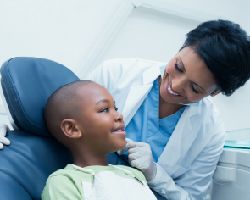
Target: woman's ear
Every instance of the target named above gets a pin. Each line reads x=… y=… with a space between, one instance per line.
x=70 y=128
x=214 y=93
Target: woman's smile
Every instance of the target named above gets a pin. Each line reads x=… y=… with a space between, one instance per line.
x=171 y=92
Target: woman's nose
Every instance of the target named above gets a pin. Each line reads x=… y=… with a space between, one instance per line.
x=178 y=84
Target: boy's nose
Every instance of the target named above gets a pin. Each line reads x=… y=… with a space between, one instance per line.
x=119 y=116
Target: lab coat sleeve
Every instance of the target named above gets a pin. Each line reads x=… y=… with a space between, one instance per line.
x=60 y=187
x=194 y=183
x=101 y=75
x=111 y=72
x=116 y=74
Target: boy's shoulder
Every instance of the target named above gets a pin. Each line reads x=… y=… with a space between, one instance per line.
x=76 y=173
x=70 y=179
x=135 y=173
x=67 y=181
x=71 y=172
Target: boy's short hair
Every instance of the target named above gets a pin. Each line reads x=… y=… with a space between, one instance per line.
x=61 y=105
x=225 y=49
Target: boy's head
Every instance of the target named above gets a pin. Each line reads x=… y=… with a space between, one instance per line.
x=83 y=114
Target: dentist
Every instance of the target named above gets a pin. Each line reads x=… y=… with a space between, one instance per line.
x=176 y=131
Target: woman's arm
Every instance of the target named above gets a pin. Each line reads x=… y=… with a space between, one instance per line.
x=194 y=183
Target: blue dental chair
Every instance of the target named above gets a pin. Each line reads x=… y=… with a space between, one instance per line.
x=33 y=153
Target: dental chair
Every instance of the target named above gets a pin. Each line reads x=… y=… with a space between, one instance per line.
x=33 y=154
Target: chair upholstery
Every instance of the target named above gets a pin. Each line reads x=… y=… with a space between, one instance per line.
x=33 y=153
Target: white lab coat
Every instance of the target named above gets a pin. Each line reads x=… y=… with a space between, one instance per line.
x=187 y=163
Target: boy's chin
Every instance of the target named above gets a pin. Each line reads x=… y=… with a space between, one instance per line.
x=120 y=146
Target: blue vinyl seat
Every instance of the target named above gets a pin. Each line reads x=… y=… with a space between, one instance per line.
x=33 y=153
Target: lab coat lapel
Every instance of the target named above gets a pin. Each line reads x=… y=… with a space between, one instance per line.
x=135 y=98
x=181 y=140
x=138 y=93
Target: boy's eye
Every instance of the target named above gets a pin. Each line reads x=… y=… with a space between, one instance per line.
x=105 y=110
x=116 y=108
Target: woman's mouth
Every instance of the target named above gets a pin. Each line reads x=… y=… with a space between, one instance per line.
x=169 y=89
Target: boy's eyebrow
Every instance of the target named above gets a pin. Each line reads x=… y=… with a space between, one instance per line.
x=102 y=101
x=191 y=81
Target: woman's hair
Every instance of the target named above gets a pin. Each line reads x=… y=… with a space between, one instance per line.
x=225 y=48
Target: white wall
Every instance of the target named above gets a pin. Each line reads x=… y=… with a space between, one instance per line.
x=73 y=32
x=150 y=35
x=81 y=33
x=62 y=30
x=237 y=11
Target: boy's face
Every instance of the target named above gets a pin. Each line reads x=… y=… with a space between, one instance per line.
x=102 y=126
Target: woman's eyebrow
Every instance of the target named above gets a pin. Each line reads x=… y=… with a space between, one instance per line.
x=181 y=63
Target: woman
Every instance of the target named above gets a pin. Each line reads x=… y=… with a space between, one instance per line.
x=176 y=131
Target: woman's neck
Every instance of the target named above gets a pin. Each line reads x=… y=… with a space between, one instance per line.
x=166 y=109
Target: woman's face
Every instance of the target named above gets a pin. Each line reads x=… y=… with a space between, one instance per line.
x=187 y=79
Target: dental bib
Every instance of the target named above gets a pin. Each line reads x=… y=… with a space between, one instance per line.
x=107 y=185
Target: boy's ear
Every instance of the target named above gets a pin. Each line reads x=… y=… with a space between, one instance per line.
x=214 y=93
x=70 y=128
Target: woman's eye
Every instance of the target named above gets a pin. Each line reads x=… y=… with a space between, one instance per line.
x=177 y=67
x=194 y=90
x=115 y=108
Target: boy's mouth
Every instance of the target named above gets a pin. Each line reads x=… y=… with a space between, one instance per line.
x=119 y=130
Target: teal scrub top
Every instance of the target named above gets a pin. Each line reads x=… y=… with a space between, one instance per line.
x=146 y=126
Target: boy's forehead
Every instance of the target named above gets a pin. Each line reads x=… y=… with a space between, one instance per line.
x=92 y=87
x=92 y=90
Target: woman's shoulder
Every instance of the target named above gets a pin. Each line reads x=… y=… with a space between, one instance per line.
x=210 y=108
x=207 y=114
x=125 y=71
x=204 y=107
x=129 y=63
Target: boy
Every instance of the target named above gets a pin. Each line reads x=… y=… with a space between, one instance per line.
x=83 y=117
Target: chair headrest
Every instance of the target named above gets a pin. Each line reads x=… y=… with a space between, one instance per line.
x=27 y=83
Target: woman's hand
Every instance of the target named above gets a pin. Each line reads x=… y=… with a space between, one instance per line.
x=3 y=140
x=140 y=156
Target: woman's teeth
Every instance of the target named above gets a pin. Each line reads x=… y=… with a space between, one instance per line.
x=172 y=92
